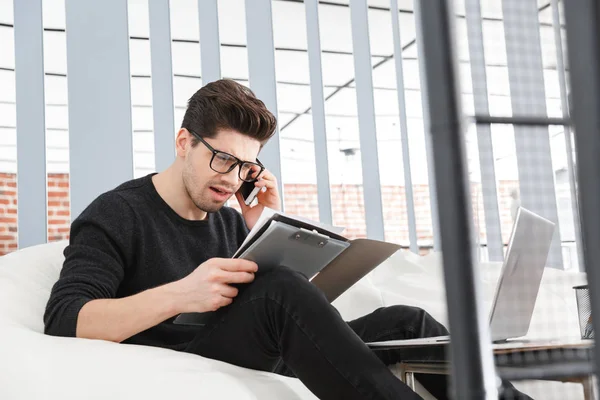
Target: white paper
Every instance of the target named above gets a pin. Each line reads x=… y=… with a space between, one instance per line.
x=269 y=212
x=264 y=217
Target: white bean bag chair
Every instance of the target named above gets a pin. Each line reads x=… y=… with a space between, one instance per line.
x=36 y=366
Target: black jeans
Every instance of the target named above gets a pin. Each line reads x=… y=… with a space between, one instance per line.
x=282 y=323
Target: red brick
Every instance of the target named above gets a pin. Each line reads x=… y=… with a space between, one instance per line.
x=9 y=193
x=54 y=203
x=55 y=194
x=63 y=184
x=57 y=222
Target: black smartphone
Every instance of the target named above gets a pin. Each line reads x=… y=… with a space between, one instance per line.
x=249 y=192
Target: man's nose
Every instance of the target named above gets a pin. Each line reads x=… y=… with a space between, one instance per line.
x=232 y=178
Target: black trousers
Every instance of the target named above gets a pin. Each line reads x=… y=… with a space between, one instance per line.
x=282 y=323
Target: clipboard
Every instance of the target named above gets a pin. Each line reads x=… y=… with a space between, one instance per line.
x=330 y=261
x=303 y=250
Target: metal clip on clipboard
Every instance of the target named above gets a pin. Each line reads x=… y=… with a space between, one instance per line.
x=310 y=238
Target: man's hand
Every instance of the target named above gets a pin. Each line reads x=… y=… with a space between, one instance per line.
x=267 y=197
x=207 y=287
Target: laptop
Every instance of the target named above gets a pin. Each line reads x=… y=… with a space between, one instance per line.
x=518 y=285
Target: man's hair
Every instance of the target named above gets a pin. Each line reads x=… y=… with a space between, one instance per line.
x=226 y=104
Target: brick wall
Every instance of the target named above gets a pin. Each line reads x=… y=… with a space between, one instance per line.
x=59 y=207
x=8 y=213
x=58 y=210
x=300 y=199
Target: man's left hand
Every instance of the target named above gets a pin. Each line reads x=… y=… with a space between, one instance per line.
x=267 y=197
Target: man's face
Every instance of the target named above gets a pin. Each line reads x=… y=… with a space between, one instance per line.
x=209 y=190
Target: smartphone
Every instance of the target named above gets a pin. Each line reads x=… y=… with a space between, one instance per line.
x=249 y=192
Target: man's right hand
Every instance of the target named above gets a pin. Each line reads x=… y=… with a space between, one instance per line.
x=208 y=287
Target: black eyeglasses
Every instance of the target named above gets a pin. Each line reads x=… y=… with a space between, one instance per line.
x=224 y=163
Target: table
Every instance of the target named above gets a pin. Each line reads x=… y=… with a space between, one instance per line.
x=565 y=360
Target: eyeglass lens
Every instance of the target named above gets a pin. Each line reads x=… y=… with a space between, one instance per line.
x=224 y=163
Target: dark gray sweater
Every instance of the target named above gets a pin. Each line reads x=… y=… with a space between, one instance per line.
x=129 y=240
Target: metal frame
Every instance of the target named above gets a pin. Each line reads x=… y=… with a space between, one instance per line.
x=163 y=107
x=31 y=123
x=409 y=369
x=470 y=347
x=583 y=26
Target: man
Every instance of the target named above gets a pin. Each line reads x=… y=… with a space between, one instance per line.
x=161 y=245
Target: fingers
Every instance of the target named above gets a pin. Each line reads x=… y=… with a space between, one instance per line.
x=266 y=184
x=219 y=302
x=235 y=277
x=228 y=291
x=236 y=265
x=268 y=180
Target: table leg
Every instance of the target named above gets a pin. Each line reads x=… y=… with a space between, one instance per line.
x=410 y=380
x=588 y=388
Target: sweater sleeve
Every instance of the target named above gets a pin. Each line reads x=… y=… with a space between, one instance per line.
x=100 y=247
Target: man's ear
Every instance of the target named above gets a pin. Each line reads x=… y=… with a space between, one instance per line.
x=182 y=141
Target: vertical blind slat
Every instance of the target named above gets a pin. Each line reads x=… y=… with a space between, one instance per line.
x=528 y=97
x=366 y=119
x=408 y=188
x=210 y=44
x=162 y=84
x=31 y=124
x=318 y=110
x=484 y=132
x=261 y=70
x=100 y=130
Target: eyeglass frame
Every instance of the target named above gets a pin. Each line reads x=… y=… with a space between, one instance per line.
x=238 y=162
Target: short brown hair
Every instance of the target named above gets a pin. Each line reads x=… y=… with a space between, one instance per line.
x=226 y=104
